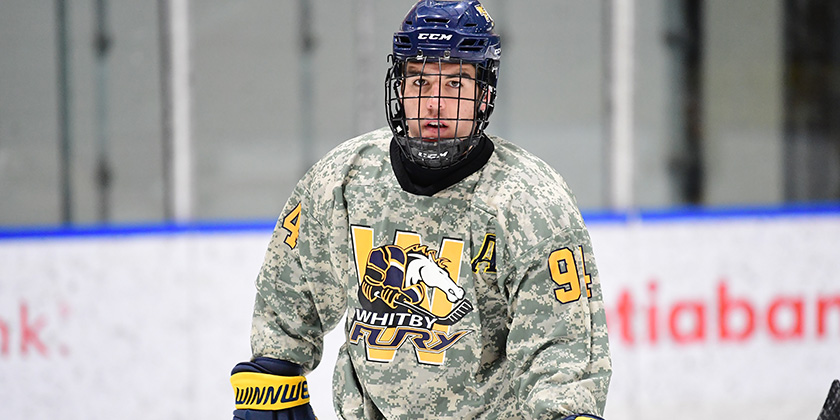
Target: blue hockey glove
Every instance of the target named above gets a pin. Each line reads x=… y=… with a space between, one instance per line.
x=270 y=389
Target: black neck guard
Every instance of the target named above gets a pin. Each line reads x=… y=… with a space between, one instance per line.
x=424 y=181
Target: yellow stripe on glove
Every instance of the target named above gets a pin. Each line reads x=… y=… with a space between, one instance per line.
x=261 y=391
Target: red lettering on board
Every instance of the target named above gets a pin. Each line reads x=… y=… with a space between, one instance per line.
x=727 y=307
x=28 y=331
x=733 y=318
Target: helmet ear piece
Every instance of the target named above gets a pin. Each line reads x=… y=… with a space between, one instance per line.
x=487 y=75
x=393 y=98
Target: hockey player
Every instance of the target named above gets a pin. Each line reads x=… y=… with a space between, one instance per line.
x=461 y=261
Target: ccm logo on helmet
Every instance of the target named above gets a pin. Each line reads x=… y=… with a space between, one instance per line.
x=433 y=37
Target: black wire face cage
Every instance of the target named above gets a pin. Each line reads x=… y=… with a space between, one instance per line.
x=436 y=109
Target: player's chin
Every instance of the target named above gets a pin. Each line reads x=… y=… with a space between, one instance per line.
x=435 y=134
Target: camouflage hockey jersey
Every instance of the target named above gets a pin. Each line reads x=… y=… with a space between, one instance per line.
x=481 y=301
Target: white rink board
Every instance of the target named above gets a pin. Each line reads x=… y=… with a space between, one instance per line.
x=679 y=296
x=149 y=326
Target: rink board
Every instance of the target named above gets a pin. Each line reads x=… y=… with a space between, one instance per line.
x=711 y=314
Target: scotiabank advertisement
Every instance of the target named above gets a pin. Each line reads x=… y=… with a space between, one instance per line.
x=710 y=315
x=722 y=317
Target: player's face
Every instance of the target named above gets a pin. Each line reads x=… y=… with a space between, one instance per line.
x=439 y=100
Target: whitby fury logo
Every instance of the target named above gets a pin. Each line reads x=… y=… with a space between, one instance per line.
x=408 y=294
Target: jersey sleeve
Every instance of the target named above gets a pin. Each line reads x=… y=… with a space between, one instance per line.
x=558 y=343
x=298 y=297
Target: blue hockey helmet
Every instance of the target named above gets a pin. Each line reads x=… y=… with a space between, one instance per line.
x=433 y=33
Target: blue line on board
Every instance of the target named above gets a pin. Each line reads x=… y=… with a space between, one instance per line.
x=265 y=226
x=150 y=229
x=678 y=214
